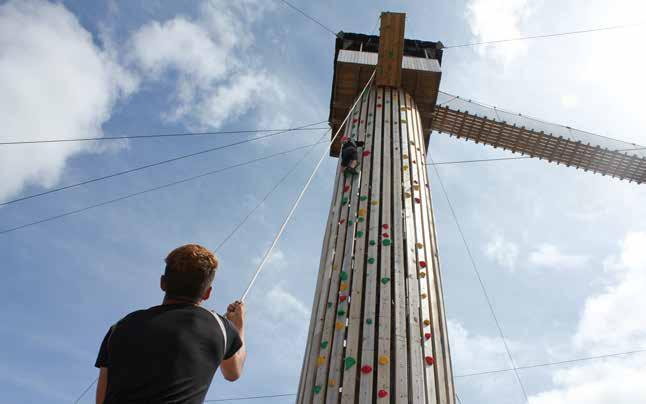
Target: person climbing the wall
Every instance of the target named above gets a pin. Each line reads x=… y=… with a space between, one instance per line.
x=350 y=156
x=169 y=353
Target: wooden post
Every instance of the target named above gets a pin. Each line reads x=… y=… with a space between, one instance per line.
x=378 y=331
x=391 y=49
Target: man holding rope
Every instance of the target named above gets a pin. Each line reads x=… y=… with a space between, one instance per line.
x=169 y=353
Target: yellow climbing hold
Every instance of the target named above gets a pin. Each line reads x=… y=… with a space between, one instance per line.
x=405 y=167
x=422 y=274
x=407 y=194
x=423 y=295
x=419 y=245
x=427 y=322
x=320 y=360
x=383 y=360
x=362 y=212
x=405 y=156
x=375 y=202
x=339 y=325
x=416 y=187
x=343 y=286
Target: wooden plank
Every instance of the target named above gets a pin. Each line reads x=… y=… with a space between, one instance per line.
x=323 y=274
x=419 y=254
x=372 y=273
x=329 y=330
x=416 y=370
x=400 y=359
x=352 y=238
x=391 y=49
x=433 y=322
x=385 y=295
x=356 y=296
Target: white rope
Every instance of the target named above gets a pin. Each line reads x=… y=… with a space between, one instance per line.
x=300 y=196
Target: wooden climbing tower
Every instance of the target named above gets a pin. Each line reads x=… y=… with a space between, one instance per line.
x=378 y=330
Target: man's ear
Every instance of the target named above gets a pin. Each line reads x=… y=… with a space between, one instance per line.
x=207 y=293
x=162 y=283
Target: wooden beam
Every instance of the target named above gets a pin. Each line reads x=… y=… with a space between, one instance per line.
x=391 y=49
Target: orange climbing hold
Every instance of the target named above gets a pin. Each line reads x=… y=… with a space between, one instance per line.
x=361 y=212
x=419 y=245
x=320 y=360
x=383 y=360
x=343 y=286
x=339 y=325
x=427 y=322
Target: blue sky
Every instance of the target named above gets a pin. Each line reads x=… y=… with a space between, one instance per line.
x=561 y=251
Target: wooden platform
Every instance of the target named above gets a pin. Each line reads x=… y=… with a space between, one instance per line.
x=542 y=145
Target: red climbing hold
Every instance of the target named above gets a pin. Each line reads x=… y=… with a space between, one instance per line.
x=366 y=369
x=382 y=393
x=429 y=360
x=346 y=188
x=418 y=200
x=341 y=221
x=355 y=120
x=378 y=105
x=385 y=226
x=427 y=335
x=422 y=264
x=342 y=298
x=386 y=235
x=366 y=153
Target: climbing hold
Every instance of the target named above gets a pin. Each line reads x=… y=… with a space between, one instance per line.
x=407 y=194
x=359 y=234
x=418 y=200
x=341 y=313
x=365 y=153
x=414 y=162
x=423 y=295
x=349 y=362
x=329 y=305
x=422 y=264
x=361 y=212
x=405 y=167
x=316 y=389
x=355 y=120
x=375 y=202
x=419 y=245
x=341 y=221
x=386 y=242
x=331 y=382
x=383 y=360
x=429 y=360
x=385 y=226
x=368 y=321
x=339 y=325
x=343 y=275
x=378 y=105
x=366 y=369
x=343 y=286
x=323 y=344
x=405 y=156
x=416 y=187
x=343 y=298
x=385 y=235
x=427 y=336
x=422 y=274
x=382 y=393
x=427 y=322
x=363 y=198
x=350 y=222
x=360 y=219
x=344 y=200
x=320 y=360
x=372 y=242
x=385 y=280
x=371 y=260
x=346 y=188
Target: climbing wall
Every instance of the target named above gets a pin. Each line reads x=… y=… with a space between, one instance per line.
x=378 y=330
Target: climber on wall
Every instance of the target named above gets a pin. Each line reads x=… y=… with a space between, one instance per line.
x=350 y=156
x=169 y=353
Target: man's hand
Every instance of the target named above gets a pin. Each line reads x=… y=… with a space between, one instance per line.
x=235 y=314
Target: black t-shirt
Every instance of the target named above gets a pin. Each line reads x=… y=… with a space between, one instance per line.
x=166 y=354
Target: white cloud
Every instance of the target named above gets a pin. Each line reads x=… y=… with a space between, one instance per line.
x=612 y=321
x=492 y=20
x=549 y=256
x=283 y=305
x=503 y=252
x=216 y=82
x=54 y=83
x=569 y=101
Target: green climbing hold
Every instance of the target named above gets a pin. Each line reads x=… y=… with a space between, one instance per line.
x=363 y=198
x=349 y=362
x=386 y=242
x=372 y=242
x=316 y=389
x=341 y=312
x=350 y=222
x=359 y=234
x=371 y=260
x=323 y=344
x=368 y=321
x=329 y=305
x=360 y=219
x=343 y=275
x=385 y=280
x=344 y=200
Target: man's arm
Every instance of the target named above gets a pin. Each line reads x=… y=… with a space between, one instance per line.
x=101 y=385
x=232 y=367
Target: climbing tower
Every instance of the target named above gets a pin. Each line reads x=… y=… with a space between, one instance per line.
x=378 y=330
